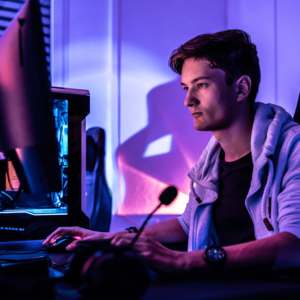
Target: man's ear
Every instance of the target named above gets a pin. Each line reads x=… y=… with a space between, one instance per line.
x=243 y=87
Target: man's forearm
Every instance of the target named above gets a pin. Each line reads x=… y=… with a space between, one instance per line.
x=169 y=231
x=279 y=251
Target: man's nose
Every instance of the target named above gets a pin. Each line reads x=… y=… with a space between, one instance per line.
x=190 y=100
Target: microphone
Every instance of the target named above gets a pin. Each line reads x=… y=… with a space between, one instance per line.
x=168 y=195
x=166 y=198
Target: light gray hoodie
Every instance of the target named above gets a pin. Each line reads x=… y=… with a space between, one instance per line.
x=273 y=200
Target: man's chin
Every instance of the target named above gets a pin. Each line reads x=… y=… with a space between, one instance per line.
x=201 y=127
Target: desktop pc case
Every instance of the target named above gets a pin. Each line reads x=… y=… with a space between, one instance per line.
x=64 y=208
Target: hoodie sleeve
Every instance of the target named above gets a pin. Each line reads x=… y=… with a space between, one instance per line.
x=185 y=218
x=289 y=198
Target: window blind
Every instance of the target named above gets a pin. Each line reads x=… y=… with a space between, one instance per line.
x=10 y=8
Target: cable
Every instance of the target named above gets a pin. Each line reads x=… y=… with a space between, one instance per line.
x=11 y=199
x=4 y=199
x=6 y=195
x=14 y=201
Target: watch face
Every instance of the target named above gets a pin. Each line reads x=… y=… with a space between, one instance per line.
x=215 y=254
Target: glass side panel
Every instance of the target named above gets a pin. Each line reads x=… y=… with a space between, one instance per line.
x=60 y=112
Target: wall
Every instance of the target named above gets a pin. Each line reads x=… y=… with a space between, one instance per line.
x=158 y=142
x=83 y=57
x=119 y=50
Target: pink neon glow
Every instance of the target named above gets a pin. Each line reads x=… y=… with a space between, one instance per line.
x=140 y=199
x=56 y=237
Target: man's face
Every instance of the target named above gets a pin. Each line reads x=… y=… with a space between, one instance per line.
x=211 y=102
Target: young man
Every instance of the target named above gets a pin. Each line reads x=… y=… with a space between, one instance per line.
x=243 y=210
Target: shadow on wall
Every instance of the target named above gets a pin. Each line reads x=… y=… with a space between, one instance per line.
x=161 y=154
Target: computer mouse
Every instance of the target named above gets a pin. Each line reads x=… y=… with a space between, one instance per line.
x=59 y=244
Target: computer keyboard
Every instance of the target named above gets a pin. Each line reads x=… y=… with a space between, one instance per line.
x=11 y=229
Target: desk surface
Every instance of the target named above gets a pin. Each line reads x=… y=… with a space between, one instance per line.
x=18 y=250
x=223 y=290
x=164 y=288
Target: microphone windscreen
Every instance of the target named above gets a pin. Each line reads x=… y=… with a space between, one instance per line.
x=168 y=195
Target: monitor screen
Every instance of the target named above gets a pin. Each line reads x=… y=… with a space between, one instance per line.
x=27 y=133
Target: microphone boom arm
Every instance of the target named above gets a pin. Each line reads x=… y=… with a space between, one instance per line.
x=144 y=224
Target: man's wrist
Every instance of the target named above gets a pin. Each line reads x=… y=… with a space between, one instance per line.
x=192 y=261
x=215 y=257
x=111 y=235
x=132 y=229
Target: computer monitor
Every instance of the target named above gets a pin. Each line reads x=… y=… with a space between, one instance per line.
x=27 y=133
x=41 y=133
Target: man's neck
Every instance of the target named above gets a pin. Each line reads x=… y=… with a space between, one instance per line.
x=235 y=140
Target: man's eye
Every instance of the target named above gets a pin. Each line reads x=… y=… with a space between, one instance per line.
x=202 y=85
x=185 y=89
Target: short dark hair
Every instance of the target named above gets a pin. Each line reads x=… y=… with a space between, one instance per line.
x=230 y=50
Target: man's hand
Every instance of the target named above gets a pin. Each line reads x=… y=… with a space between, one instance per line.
x=158 y=257
x=80 y=234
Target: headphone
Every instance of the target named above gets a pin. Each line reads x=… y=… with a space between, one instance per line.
x=108 y=272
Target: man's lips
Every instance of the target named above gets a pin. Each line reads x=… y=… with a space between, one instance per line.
x=197 y=114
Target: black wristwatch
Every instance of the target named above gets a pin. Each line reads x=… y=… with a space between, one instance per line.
x=215 y=257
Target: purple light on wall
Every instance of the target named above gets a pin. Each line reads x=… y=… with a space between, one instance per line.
x=149 y=103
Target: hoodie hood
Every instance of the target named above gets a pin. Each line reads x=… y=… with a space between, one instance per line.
x=269 y=122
